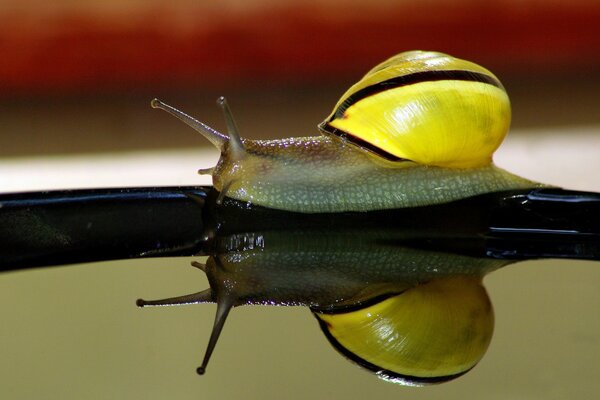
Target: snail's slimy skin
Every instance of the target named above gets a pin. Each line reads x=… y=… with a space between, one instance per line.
x=322 y=174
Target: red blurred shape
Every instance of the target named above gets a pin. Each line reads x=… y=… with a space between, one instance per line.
x=81 y=50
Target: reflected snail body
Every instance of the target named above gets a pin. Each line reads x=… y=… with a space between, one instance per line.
x=418 y=129
x=411 y=316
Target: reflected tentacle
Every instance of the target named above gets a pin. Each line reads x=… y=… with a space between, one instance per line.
x=204 y=296
x=224 y=305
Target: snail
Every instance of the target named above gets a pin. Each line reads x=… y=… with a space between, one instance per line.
x=418 y=129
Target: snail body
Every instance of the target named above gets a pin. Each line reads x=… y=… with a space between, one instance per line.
x=418 y=129
x=323 y=174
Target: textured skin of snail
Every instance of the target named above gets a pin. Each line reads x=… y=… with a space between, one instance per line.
x=418 y=129
x=322 y=174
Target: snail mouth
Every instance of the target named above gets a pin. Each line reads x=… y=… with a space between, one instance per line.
x=363 y=144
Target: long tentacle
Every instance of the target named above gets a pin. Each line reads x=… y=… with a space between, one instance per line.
x=236 y=147
x=215 y=137
x=224 y=305
x=205 y=296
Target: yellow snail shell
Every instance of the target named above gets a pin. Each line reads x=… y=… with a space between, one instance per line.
x=427 y=107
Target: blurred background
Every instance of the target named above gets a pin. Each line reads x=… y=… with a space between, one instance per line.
x=76 y=80
x=77 y=76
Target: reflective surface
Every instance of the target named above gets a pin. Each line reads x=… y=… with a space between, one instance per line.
x=77 y=332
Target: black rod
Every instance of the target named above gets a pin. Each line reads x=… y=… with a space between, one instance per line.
x=516 y=225
x=545 y=223
x=64 y=227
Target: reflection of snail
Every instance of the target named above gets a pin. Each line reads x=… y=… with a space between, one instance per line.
x=431 y=302
x=418 y=129
x=430 y=333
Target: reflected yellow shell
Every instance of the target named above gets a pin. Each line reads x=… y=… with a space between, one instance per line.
x=426 y=107
x=431 y=333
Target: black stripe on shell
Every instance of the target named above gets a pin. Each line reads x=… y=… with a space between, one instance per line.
x=411 y=79
x=337 y=309
x=345 y=136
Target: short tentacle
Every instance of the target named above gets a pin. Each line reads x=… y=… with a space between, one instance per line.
x=206 y=171
x=223 y=191
x=199 y=265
